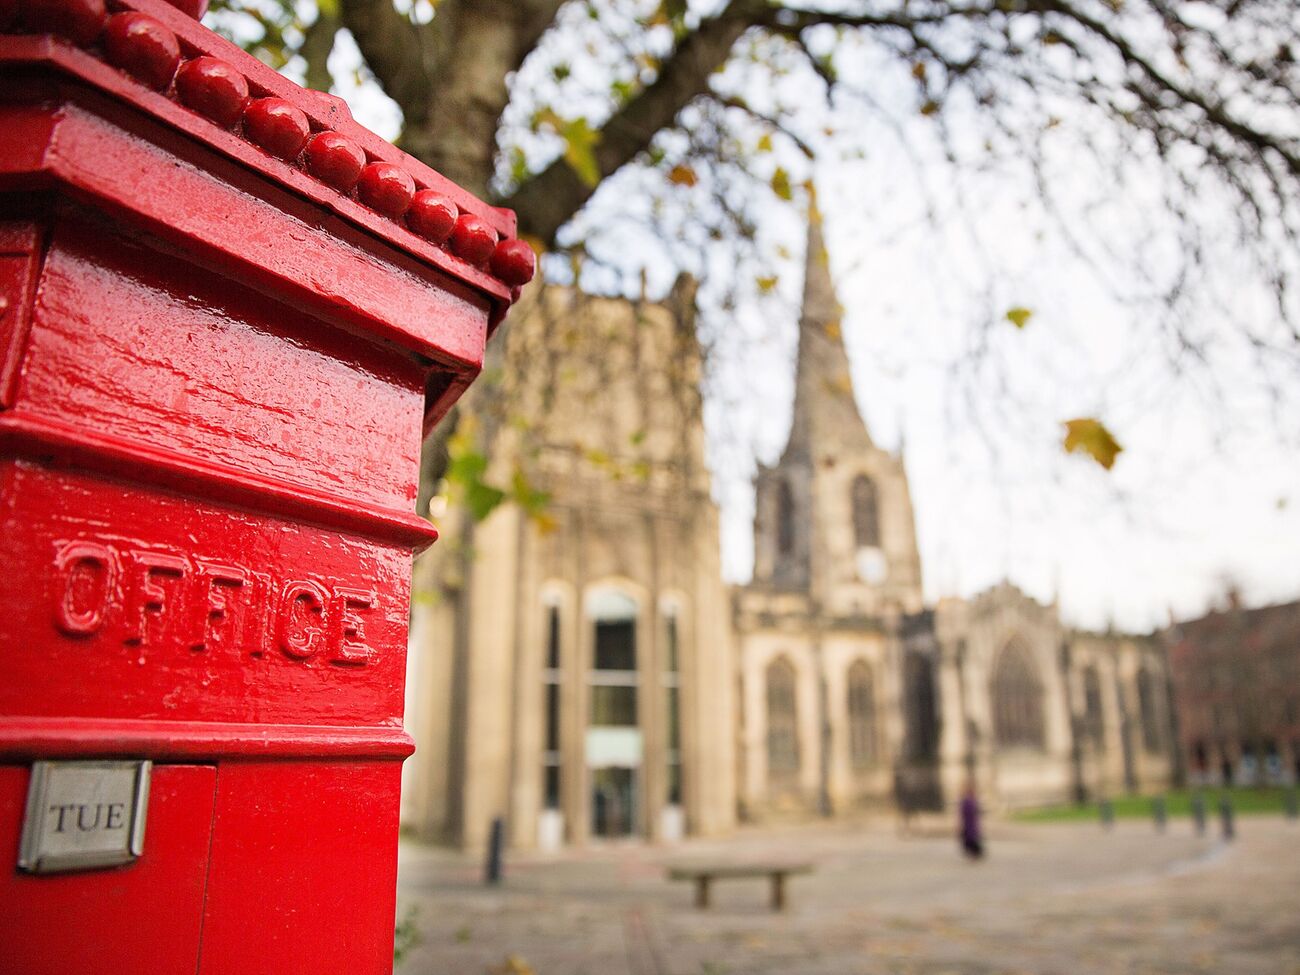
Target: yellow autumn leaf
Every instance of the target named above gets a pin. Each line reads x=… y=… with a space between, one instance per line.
x=764 y=143
x=580 y=142
x=781 y=184
x=1090 y=436
x=1018 y=316
x=682 y=175
x=765 y=284
x=832 y=330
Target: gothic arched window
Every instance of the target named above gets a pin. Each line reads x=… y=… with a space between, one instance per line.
x=1092 y=720
x=866 y=513
x=672 y=703
x=922 y=717
x=1147 y=712
x=782 y=720
x=614 y=675
x=1017 y=699
x=862 y=716
x=784 y=518
x=552 y=678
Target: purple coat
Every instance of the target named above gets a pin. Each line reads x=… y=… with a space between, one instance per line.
x=970 y=819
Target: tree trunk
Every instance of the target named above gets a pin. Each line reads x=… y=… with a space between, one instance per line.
x=457 y=135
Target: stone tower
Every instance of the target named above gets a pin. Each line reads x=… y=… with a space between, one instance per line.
x=834 y=516
x=835 y=567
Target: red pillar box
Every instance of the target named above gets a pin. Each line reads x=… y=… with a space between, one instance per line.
x=227 y=312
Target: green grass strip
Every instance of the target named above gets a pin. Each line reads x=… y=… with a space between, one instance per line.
x=1246 y=800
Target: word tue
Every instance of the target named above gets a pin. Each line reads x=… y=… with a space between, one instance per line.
x=113 y=815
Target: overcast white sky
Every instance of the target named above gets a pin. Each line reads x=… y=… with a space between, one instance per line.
x=1207 y=489
x=1204 y=492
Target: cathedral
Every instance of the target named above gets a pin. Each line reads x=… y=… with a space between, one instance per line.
x=580 y=671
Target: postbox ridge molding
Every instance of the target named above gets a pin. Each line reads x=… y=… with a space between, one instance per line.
x=146 y=41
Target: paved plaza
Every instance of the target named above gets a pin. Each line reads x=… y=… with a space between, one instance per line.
x=1049 y=900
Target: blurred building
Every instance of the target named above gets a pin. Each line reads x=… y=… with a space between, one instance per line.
x=1236 y=676
x=579 y=669
x=853 y=694
x=570 y=666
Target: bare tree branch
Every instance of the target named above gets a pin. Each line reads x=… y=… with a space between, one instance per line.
x=550 y=198
x=775 y=124
x=547 y=200
x=1215 y=112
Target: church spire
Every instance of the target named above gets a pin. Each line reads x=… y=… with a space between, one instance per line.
x=825 y=412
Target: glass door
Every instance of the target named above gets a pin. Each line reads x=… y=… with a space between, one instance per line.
x=613 y=801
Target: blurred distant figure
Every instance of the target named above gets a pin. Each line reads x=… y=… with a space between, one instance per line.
x=972 y=837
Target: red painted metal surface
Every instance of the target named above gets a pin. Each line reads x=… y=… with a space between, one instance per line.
x=146 y=917
x=334 y=873
x=227 y=313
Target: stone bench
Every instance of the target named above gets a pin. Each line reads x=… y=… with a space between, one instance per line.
x=703 y=876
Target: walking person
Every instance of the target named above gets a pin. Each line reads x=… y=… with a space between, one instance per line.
x=970 y=832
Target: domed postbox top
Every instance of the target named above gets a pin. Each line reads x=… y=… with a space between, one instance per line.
x=154 y=56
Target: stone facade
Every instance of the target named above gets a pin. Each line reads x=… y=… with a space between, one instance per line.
x=581 y=671
x=571 y=670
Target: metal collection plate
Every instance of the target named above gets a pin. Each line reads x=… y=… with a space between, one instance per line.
x=82 y=815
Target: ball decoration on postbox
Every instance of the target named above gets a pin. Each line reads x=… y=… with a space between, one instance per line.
x=228 y=313
x=143 y=48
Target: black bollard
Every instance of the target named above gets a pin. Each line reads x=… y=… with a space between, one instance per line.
x=1107 y=811
x=1225 y=816
x=492 y=874
x=1198 y=812
x=1158 y=813
x=1291 y=802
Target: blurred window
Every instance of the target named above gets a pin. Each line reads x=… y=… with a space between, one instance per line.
x=672 y=705
x=866 y=513
x=1148 y=712
x=862 y=716
x=613 y=676
x=1017 y=699
x=785 y=520
x=1092 y=719
x=782 y=720
x=922 y=716
x=551 y=681
x=613 y=706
